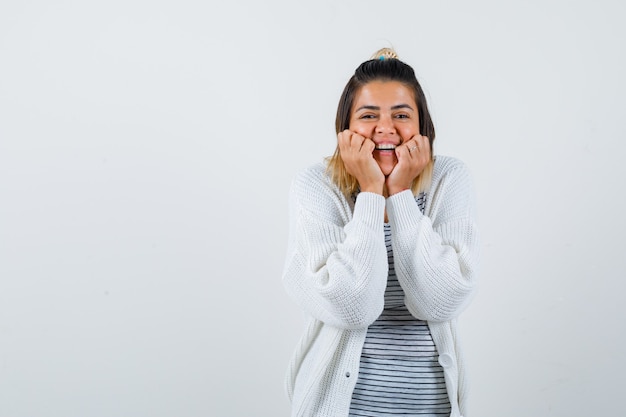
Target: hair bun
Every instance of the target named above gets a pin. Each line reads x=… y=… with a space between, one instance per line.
x=385 y=53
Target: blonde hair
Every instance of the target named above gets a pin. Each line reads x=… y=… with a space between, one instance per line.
x=385 y=53
x=383 y=65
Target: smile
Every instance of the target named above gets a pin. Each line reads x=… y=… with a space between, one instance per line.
x=386 y=147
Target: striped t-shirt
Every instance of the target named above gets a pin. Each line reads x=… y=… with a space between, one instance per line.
x=399 y=372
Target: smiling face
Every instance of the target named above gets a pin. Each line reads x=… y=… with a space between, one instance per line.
x=386 y=112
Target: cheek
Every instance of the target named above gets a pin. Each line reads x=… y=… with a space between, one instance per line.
x=407 y=132
x=361 y=129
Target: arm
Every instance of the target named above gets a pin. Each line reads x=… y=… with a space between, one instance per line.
x=436 y=258
x=336 y=266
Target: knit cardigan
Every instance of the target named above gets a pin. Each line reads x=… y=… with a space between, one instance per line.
x=336 y=271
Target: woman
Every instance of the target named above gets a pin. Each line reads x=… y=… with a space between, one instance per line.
x=382 y=257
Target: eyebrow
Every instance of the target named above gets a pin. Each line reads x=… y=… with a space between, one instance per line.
x=396 y=107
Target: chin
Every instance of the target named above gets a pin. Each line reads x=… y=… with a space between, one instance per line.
x=387 y=165
x=386 y=169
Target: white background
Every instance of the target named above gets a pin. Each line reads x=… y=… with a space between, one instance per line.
x=146 y=150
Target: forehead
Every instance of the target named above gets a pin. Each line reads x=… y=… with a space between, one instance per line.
x=384 y=94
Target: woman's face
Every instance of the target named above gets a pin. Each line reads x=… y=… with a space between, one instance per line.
x=386 y=113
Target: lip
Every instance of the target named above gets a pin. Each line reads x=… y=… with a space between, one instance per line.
x=386 y=146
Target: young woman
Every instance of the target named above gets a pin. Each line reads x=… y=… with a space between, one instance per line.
x=382 y=258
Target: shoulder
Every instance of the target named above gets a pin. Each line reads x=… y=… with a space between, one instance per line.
x=313 y=179
x=452 y=191
x=444 y=164
x=450 y=167
x=313 y=173
x=313 y=189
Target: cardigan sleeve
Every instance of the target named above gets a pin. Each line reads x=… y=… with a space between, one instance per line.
x=336 y=264
x=436 y=257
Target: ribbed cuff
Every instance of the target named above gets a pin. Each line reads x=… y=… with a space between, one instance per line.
x=370 y=209
x=403 y=210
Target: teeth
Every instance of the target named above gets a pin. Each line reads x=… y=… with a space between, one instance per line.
x=386 y=146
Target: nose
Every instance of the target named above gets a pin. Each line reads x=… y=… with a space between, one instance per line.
x=385 y=125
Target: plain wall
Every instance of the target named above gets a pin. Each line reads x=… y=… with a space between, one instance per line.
x=146 y=150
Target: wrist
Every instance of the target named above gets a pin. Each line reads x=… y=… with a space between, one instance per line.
x=396 y=190
x=372 y=188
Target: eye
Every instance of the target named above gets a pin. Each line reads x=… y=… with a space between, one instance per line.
x=367 y=116
x=402 y=116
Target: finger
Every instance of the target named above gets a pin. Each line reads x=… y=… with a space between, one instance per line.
x=425 y=145
x=422 y=143
x=404 y=151
x=344 y=140
x=356 y=141
x=412 y=145
x=368 y=145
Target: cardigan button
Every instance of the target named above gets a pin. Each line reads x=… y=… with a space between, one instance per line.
x=347 y=374
x=446 y=360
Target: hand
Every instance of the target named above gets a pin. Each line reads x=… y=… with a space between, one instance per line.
x=356 y=153
x=413 y=156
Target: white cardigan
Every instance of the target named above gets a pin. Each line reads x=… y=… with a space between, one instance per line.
x=336 y=270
